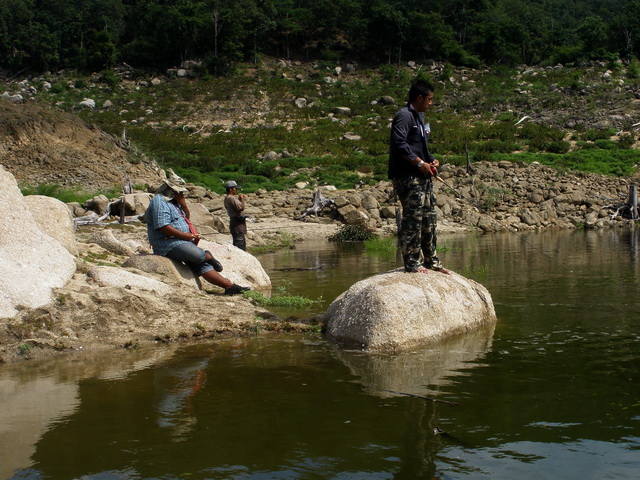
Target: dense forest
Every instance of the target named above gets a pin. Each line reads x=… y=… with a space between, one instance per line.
x=42 y=35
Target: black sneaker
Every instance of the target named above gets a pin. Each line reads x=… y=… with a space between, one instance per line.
x=217 y=266
x=235 y=289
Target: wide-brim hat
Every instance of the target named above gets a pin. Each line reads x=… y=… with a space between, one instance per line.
x=176 y=188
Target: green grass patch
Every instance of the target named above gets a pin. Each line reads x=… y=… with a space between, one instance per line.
x=281 y=299
x=618 y=162
x=283 y=241
x=67 y=195
x=386 y=245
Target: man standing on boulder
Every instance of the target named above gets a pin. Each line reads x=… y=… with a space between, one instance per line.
x=235 y=205
x=412 y=169
x=172 y=235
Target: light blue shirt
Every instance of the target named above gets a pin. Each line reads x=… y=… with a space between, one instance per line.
x=160 y=214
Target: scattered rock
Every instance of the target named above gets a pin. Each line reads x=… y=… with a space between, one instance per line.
x=346 y=111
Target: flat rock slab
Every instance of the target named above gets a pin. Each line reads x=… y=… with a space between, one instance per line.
x=118 y=277
x=397 y=311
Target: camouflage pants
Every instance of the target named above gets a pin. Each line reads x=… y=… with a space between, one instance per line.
x=417 y=233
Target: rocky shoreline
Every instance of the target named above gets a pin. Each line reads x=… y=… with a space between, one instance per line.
x=492 y=197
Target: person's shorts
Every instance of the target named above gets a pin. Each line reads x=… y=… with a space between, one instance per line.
x=192 y=255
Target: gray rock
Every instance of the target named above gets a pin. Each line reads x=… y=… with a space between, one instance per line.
x=387 y=100
x=536 y=197
x=118 y=277
x=107 y=240
x=33 y=263
x=351 y=136
x=88 y=103
x=54 y=219
x=341 y=201
x=355 y=199
x=270 y=156
x=352 y=216
x=174 y=272
x=239 y=266
x=201 y=218
x=197 y=192
x=136 y=203
x=98 y=204
x=369 y=201
x=529 y=218
x=397 y=311
x=591 y=219
x=346 y=111
x=388 y=212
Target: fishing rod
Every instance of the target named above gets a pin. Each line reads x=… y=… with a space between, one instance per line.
x=507 y=227
x=423 y=397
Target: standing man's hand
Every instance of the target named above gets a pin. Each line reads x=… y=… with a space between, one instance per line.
x=433 y=167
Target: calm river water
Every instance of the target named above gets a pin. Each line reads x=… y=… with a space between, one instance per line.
x=553 y=392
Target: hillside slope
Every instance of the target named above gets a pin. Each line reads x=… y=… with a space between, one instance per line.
x=42 y=145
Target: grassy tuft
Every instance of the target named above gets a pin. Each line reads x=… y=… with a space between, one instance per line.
x=381 y=245
x=280 y=299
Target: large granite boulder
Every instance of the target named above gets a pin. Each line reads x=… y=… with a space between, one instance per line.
x=202 y=219
x=396 y=311
x=239 y=266
x=53 y=217
x=32 y=263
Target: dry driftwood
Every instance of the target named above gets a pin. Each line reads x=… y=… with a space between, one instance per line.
x=318 y=203
x=630 y=209
x=94 y=219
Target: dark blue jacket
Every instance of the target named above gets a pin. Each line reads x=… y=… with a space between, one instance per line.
x=409 y=140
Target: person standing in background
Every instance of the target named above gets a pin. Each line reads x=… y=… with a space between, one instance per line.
x=235 y=204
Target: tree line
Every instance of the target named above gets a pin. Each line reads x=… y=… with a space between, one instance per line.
x=41 y=35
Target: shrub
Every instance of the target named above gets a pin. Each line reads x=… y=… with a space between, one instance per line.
x=598 y=134
x=352 y=233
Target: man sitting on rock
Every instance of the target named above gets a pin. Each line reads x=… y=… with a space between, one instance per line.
x=172 y=235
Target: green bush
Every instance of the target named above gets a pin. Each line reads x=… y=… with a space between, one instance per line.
x=490 y=146
x=606 y=144
x=352 y=233
x=598 y=134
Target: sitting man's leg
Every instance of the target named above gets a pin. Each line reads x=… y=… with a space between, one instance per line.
x=196 y=259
